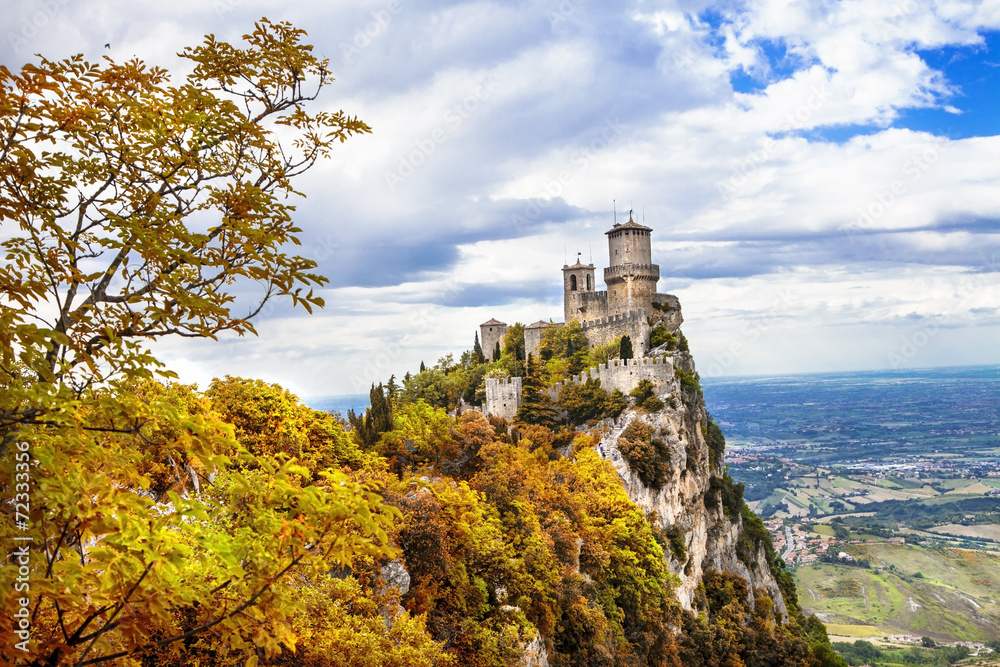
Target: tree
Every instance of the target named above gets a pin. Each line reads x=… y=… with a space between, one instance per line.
x=496 y=352
x=659 y=336
x=564 y=351
x=645 y=396
x=101 y=171
x=587 y=401
x=626 y=348
x=138 y=207
x=269 y=420
x=513 y=341
x=376 y=420
x=536 y=406
x=477 y=350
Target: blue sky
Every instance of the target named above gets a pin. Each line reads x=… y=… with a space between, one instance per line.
x=822 y=178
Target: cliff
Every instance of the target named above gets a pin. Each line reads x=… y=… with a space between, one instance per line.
x=586 y=528
x=686 y=502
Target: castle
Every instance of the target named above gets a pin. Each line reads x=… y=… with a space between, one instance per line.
x=630 y=306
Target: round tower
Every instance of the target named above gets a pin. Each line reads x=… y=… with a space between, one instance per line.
x=578 y=281
x=631 y=276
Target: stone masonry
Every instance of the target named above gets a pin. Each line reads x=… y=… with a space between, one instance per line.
x=503 y=397
x=490 y=333
x=630 y=306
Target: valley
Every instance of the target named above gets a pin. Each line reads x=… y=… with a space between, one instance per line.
x=882 y=493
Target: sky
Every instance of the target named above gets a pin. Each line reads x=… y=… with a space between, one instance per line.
x=822 y=178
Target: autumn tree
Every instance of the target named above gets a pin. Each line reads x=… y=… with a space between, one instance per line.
x=138 y=206
x=588 y=401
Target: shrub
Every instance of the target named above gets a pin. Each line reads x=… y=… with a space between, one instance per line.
x=643 y=391
x=690 y=382
x=648 y=456
x=675 y=537
x=652 y=404
x=659 y=335
x=727 y=492
x=715 y=440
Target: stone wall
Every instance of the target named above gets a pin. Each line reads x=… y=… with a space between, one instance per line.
x=503 y=397
x=606 y=329
x=533 y=337
x=584 y=305
x=625 y=374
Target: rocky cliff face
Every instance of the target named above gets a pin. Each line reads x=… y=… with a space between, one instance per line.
x=686 y=504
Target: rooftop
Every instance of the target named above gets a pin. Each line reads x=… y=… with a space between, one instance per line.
x=631 y=224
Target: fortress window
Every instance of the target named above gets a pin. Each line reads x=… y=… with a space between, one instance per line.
x=588 y=282
x=572 y=283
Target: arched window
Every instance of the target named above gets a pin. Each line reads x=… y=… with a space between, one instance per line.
x=588 y=282
x=572 y=283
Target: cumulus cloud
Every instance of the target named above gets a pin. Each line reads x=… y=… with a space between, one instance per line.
x=762 y=140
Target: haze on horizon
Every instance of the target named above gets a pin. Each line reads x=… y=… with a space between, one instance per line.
x=822 y=178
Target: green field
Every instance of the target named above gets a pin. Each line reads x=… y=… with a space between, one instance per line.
x=946 y=594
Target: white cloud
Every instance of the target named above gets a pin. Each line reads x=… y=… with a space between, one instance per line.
x=745 y=199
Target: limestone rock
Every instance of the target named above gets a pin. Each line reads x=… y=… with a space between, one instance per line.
x=396 y=576
x=683 y=502
x=534 y=654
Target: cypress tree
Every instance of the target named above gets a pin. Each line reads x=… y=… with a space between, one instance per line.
x=625 y=351
x=477 y=350
x=376 y=420
x=422 y=367
x=496 y=351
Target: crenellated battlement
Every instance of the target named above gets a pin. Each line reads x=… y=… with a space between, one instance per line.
x=619 y=319
x=625 y=374
x=637 y=271
x=503 y=397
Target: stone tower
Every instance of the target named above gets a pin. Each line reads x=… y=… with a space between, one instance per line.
x=503 y=397
x=579 y=295
x=631 y=276
x=533 y=337
x=490 y=333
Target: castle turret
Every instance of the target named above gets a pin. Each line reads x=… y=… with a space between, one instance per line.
x=503 y=397
x=491 y=335
x=533 y=337
x=580 y=300
x=631 y=276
